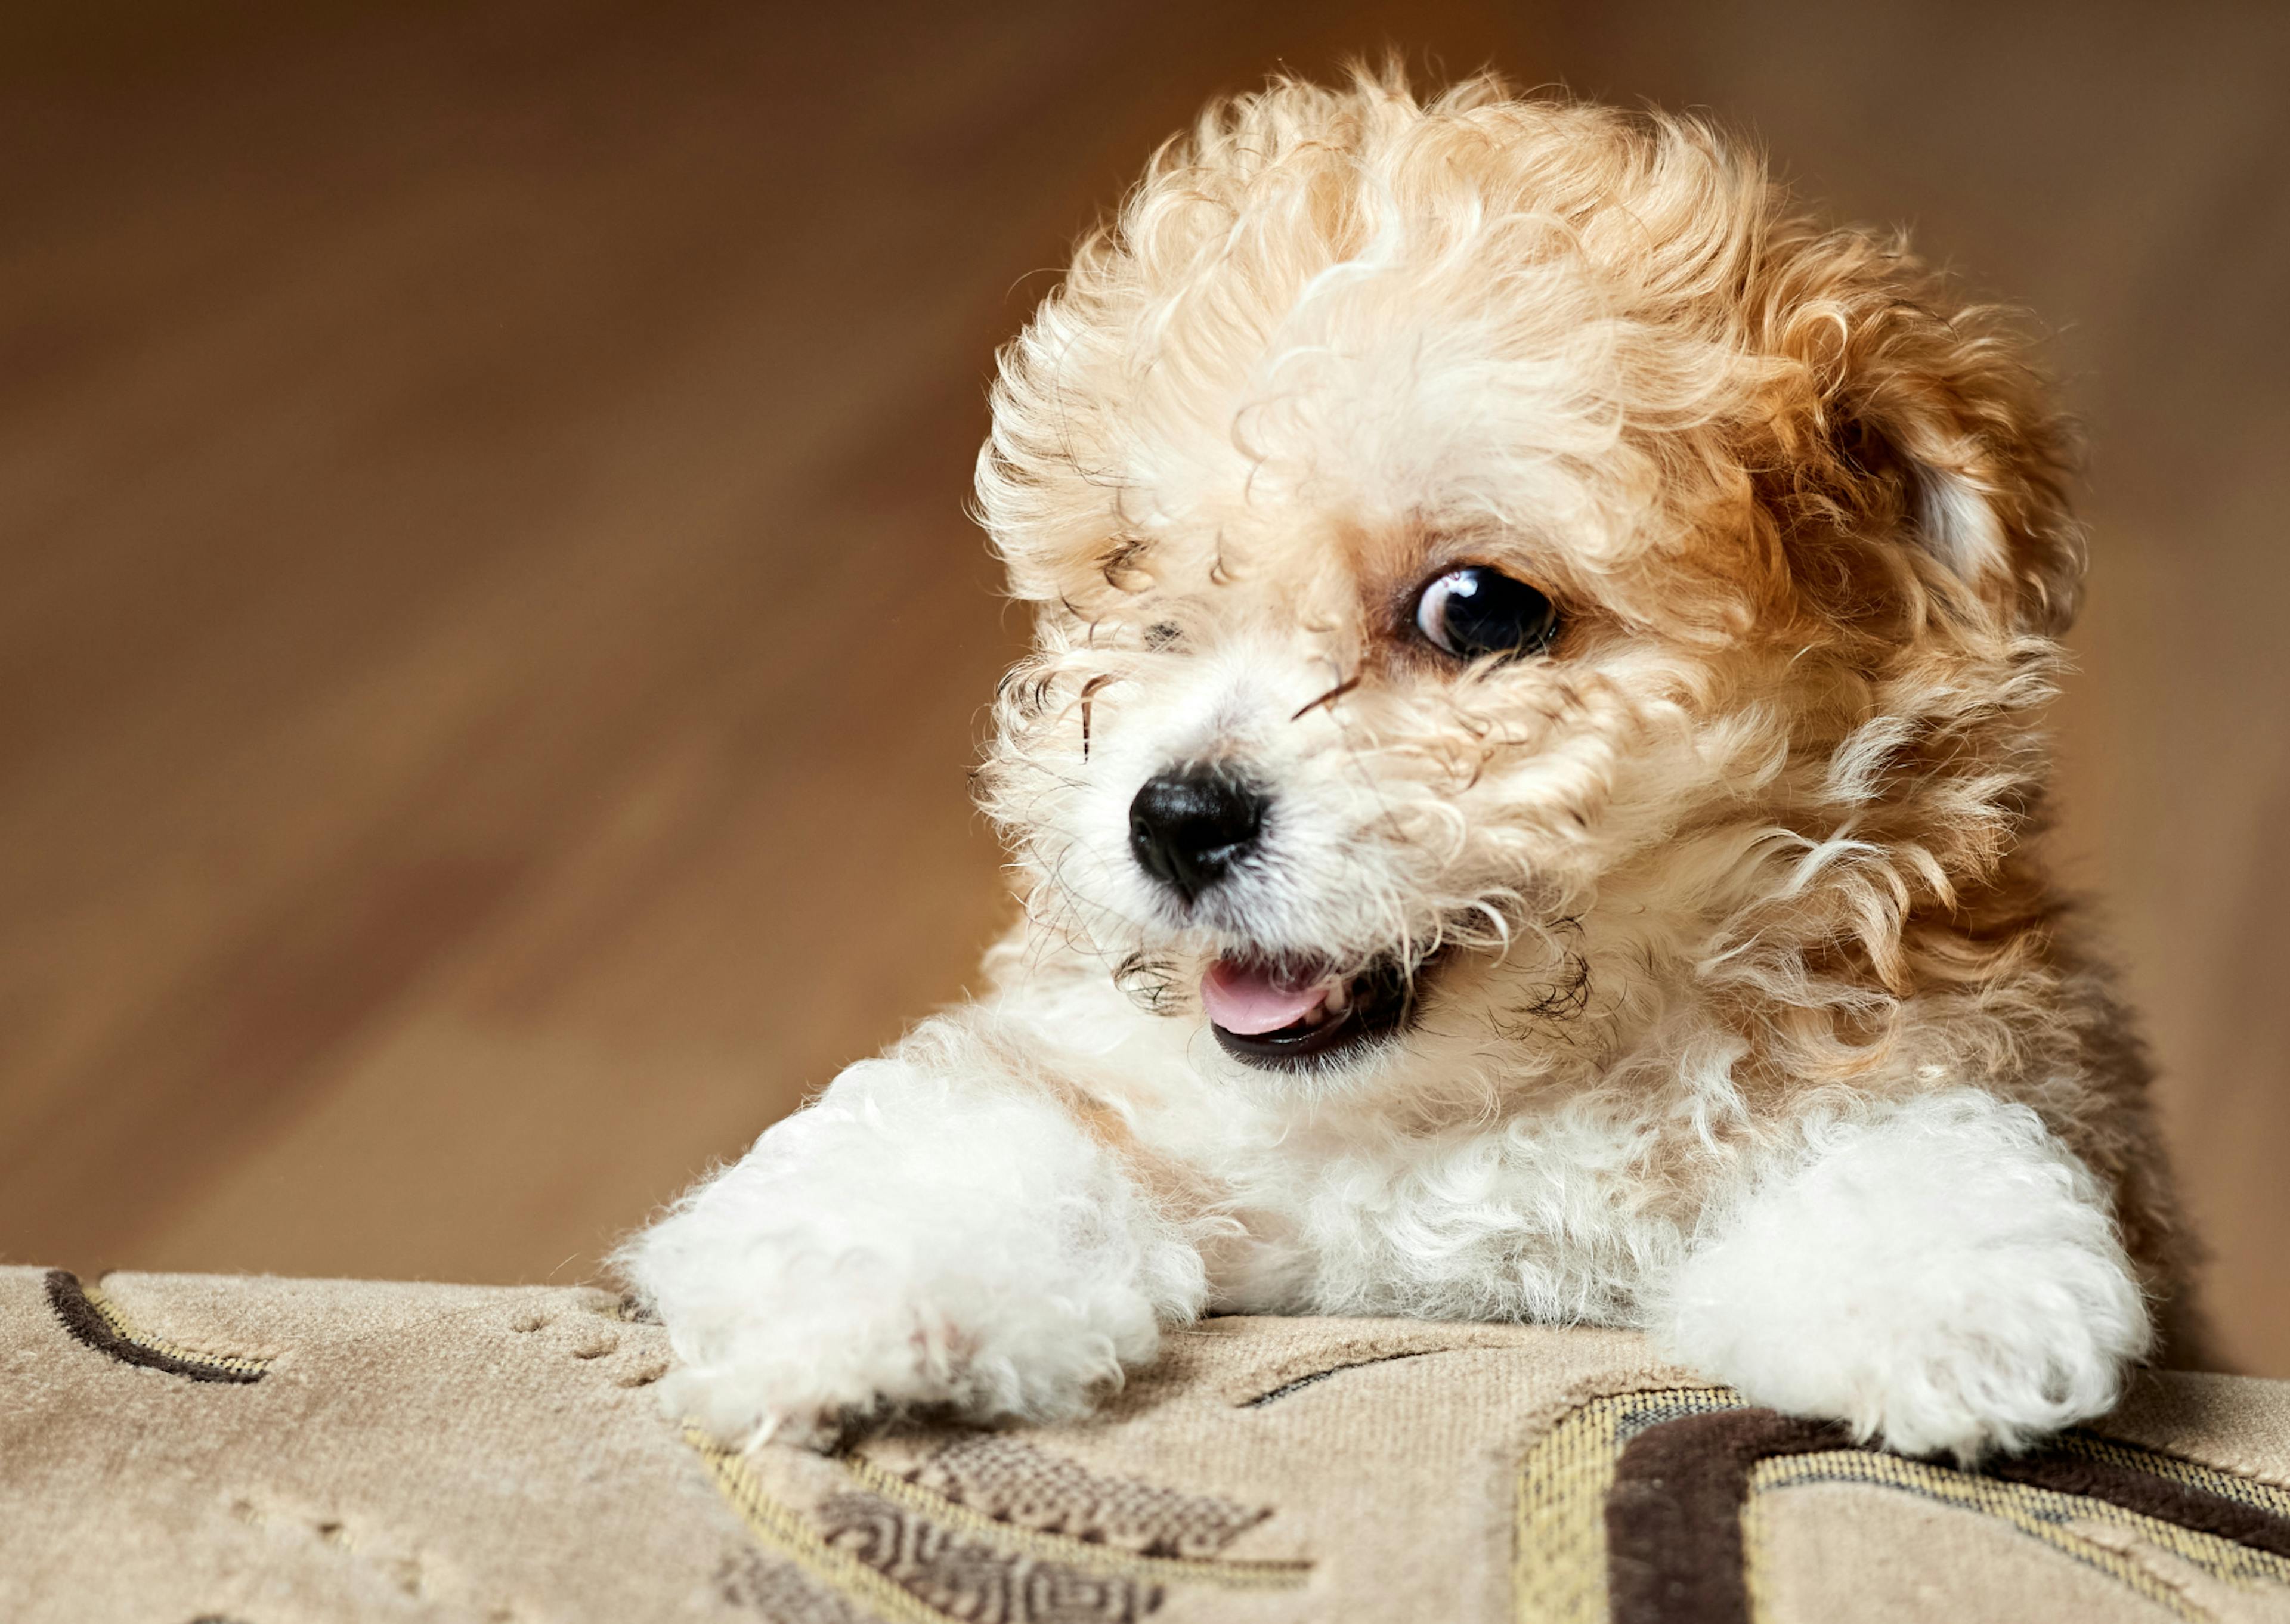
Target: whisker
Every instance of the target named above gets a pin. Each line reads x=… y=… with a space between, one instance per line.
x=1330 y=697
x=1088 y=689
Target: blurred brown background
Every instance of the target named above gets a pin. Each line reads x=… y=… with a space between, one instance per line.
x=489 y=642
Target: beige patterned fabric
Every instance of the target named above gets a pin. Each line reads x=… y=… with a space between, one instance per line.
x=271 y=1452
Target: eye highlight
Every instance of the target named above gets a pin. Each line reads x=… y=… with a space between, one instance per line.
x=1476 y=610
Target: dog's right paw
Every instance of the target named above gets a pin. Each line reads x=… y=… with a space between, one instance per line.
x=903 y=1245
x=826 y=1358
x=832 y=1357
x=742 y=1407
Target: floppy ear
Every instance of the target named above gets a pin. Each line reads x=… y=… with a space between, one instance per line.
x=1920 y=423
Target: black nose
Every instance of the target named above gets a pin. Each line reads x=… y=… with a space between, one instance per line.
x=1189 y=826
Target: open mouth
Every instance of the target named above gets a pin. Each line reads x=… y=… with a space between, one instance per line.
x=1277 y=1016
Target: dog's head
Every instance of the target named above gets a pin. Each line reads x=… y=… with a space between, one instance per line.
x=1503 y=575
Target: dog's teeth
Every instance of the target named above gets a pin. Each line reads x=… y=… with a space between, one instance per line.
x=1338 y=1001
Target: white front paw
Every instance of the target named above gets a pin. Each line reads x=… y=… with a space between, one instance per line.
x=901 y=1246
x=1945 y=1276
x=742 y=1404
x=795 y=1366
x=789 y=1335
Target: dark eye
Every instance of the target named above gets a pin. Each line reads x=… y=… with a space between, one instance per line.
x=1478 y=611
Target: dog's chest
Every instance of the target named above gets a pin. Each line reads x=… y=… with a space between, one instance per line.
x=1558 y=1219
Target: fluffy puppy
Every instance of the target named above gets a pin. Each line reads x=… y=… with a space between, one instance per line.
x=1521 y=801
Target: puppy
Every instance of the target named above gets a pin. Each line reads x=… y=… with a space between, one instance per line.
x=1521 y=801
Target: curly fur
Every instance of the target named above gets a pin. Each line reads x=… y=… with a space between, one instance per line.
x=1746 y=1013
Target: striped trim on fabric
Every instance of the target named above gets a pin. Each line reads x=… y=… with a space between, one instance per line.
x=1655 y=1507
x=93 y=1320
x=1558 y=1563
x=2058 y=1519
x=783 y=1530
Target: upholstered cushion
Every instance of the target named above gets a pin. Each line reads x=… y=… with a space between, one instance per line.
x=264 y=1451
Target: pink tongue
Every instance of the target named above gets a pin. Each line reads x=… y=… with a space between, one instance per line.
x=1248 y=999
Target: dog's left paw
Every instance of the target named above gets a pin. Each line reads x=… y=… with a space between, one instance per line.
x=1945 y=1277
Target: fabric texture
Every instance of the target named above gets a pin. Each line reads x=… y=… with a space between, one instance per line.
x=270 y=1452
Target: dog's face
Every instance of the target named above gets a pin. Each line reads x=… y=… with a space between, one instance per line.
x=1498 y=574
